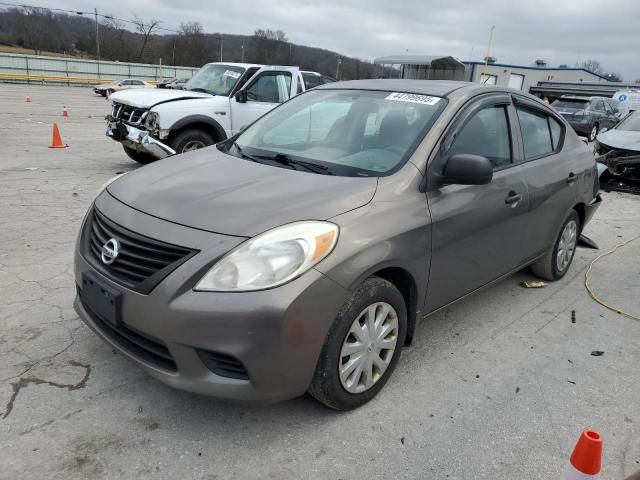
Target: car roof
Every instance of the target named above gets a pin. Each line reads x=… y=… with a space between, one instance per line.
x=436 y=88
x=234 y=64
x=577 y=97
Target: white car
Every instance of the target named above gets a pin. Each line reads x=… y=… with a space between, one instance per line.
x=219 y=101
x=107 y=89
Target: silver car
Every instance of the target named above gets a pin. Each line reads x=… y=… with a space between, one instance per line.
x=299 y=255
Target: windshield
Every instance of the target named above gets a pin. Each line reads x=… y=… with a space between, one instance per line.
x=350 y=132
x=215 y=79
x=631 y=123
x=573 y=104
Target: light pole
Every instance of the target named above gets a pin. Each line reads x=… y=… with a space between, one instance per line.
x=221 y=43
x=95 y=12
x=242 y=47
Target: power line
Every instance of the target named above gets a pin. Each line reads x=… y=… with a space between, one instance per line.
x=82 y=13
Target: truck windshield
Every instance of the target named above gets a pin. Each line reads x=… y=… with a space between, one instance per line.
x=215 y=78
x=345 y=132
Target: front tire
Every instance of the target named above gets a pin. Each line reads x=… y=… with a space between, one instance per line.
x=593 y=133
x=191 y=139
x=139 y=157
x=555 y=264
x=362 y=347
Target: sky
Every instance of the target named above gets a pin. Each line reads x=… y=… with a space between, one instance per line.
x=558 y=31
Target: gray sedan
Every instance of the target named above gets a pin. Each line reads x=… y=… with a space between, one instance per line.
x=298 y=255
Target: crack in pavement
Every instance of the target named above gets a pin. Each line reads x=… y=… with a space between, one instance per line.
x=24 y=382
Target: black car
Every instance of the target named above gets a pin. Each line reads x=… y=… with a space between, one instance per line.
x=587 y=115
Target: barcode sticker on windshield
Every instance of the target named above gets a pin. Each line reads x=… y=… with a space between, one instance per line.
x=413 y=98
x=231 y=73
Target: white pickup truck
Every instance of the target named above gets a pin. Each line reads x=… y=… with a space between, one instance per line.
x=219 y=101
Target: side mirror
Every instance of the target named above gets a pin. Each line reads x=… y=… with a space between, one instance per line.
x=467 y=169
x=241 y=96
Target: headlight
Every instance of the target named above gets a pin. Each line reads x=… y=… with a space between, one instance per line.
x=152 y=121
x=272 y=258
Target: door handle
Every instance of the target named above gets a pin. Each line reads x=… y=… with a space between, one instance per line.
x=571 y=178
x=513 y=198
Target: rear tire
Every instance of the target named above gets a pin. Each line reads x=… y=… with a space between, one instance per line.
x=139 y=157
x=354 y=364
x=191 y=139
x=593 y=133
x=555 y=264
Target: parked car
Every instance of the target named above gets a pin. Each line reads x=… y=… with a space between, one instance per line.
x=587 y=115
x=299 y=254
x=220 y=100
x=619 y=148
x=315 y=79
x=107 y=89
x=176 y=83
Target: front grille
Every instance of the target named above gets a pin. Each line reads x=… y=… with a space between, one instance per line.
x=128 y=114
x=141 y=263
x=223 y=365
x=134 y=343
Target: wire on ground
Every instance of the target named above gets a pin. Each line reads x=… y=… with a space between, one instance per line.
x=593 y=295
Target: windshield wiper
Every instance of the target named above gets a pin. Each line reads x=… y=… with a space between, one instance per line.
x=292 y=162
x=203 y=90
x=245 y=155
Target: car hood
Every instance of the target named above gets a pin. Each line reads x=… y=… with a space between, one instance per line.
x=620 y=139
x=147 y=97
x=216 y=192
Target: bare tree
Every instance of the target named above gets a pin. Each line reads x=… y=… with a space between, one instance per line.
x=269 y=45
x=144 y=29
x=191 y=44
x=592 y=65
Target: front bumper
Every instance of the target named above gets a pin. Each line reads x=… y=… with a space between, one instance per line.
x=138 y=139
x=276 y=335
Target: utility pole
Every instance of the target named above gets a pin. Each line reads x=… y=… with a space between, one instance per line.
x=221 y=43
x=338 y=68
x=242 y=47
x=486 y=59
x=95 y=10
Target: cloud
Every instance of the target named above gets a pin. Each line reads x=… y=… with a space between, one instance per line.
x=557 y=31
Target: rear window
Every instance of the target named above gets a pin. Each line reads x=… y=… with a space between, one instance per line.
x=577 y=104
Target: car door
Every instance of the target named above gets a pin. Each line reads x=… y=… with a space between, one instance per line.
x=477 y=230
x=551 y=172
x=269 y=87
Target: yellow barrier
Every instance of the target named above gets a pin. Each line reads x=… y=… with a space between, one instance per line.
x=47 y=78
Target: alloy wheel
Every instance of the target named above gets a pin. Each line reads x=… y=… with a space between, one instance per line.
x=566 y=245
x=368 y=347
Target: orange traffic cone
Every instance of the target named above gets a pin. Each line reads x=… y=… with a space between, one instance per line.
x=28 y=99
x=56 y=140
x=64 y=111
x=586 y=458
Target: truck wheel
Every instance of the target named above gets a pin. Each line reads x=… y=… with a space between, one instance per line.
x=139 y=157
x=362 y=347
x=191 y=139
x=556 y=262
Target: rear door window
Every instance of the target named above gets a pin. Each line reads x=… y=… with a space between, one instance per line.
x=541 y=134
